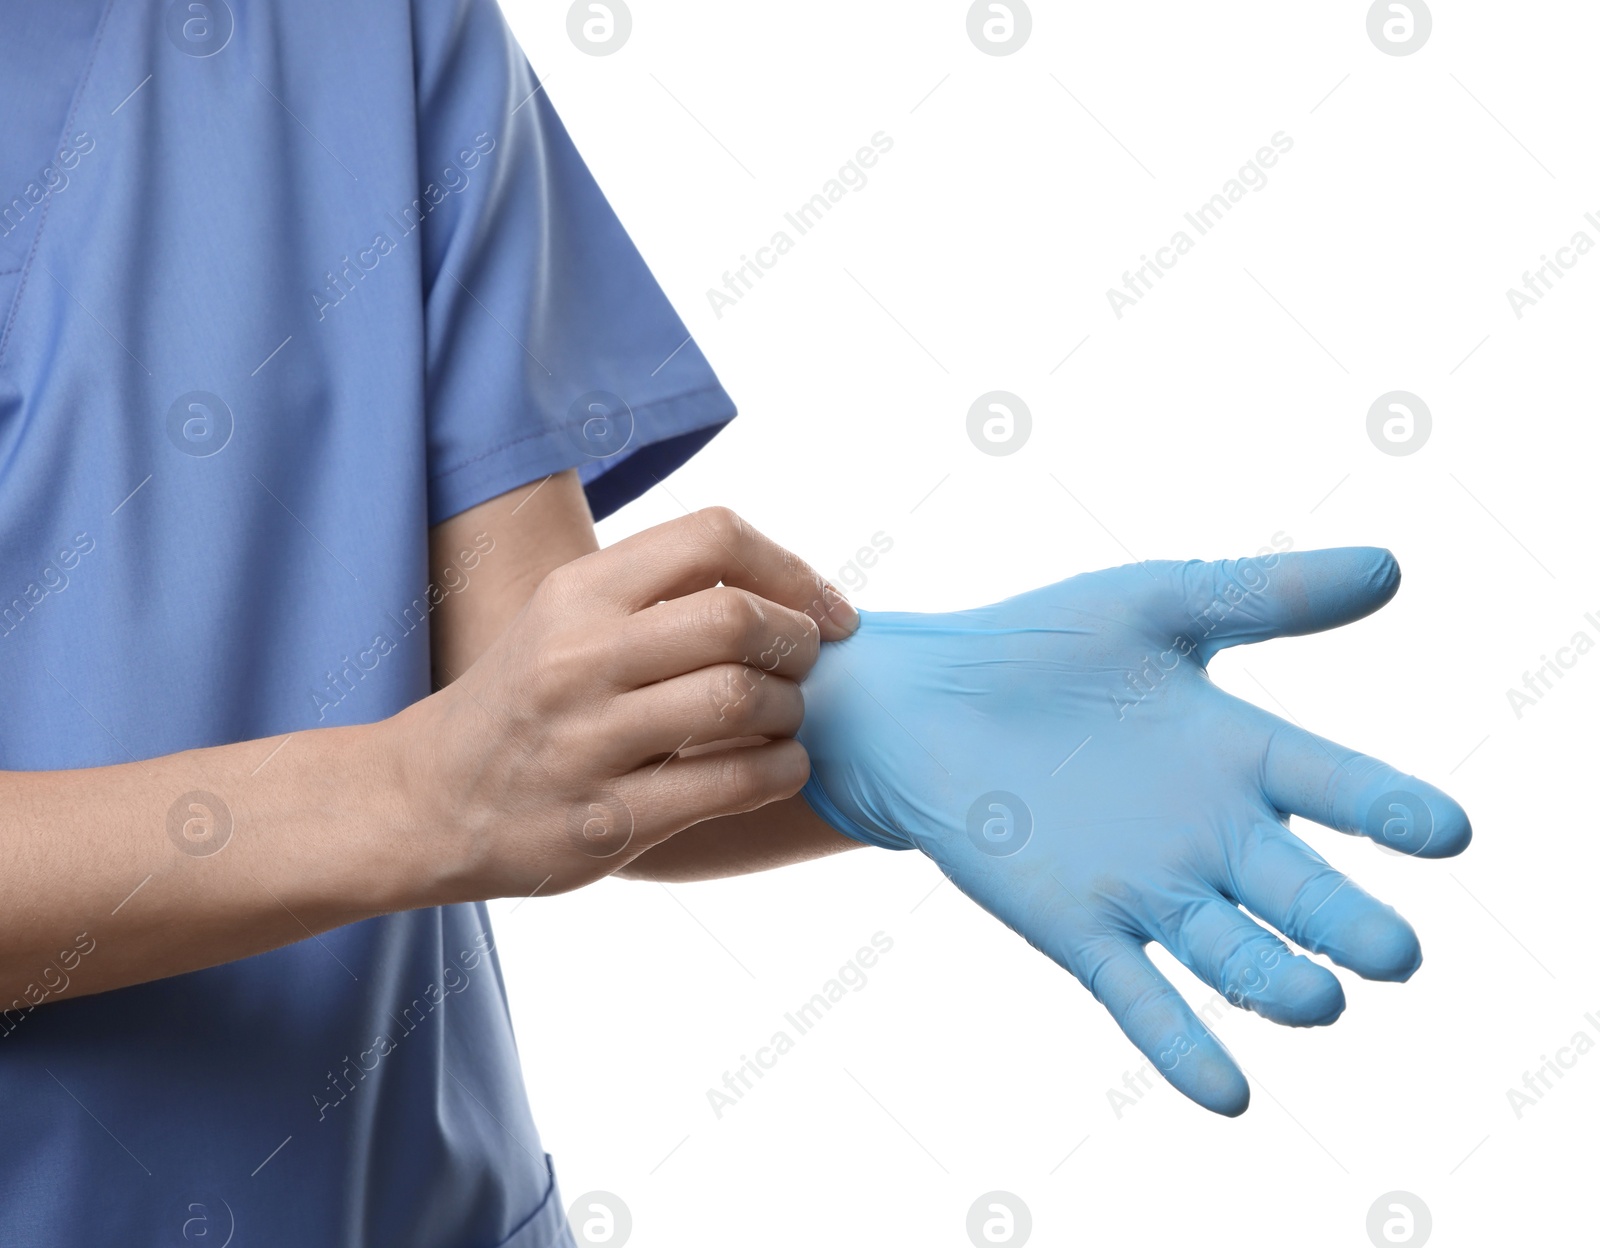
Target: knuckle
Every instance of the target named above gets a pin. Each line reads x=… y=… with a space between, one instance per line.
x=566 y=664
x=752 y=605
x=780 y=650
x=736 y=695
x=789 y=708
x=823 y=598
x=800 y=572
x=1309 y=897
x=810 y=631
x=1357 y=782
x=1241 y=973
x=1149 y=999
x=739 y=780
x=723 y=524
x=797 y=760
x=565 y=583
x=724 y=621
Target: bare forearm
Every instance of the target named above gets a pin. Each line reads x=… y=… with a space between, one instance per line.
x=117 y=875
x=778 y=835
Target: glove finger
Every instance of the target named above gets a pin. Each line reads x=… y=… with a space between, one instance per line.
x=1234 y=602
x=1251 y=967
x=1303 y=774
x=1281 y=880
x=1158 y=1021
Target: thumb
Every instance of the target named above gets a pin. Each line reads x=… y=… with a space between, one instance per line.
x=1234 y=602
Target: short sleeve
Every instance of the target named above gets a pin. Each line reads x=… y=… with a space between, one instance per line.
x=549 y=344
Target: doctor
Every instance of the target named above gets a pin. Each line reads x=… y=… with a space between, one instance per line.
x=321 y=351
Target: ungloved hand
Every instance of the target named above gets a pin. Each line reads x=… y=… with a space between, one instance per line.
x=1065 y=759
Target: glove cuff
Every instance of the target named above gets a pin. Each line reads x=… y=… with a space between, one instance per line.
x=824 y=808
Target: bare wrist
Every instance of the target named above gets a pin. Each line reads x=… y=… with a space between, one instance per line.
x=436 y=863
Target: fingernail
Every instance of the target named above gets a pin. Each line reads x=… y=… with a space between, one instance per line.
x=844 y=615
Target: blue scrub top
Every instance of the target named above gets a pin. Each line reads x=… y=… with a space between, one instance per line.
x=283 y=285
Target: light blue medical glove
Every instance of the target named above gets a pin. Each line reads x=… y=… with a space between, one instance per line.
x=1065 y=759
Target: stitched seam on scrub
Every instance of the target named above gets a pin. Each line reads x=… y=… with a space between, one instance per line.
x=539 y=1211
x=26 y=268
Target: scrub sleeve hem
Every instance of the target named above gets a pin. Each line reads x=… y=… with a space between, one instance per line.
x=547 y=1227
x=666 y=432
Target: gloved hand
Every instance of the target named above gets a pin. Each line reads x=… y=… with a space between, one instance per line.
x=1065 y=759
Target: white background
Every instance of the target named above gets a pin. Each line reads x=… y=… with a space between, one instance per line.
x=1229 y=405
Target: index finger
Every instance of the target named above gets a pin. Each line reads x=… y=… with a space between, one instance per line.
x=717 y=546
